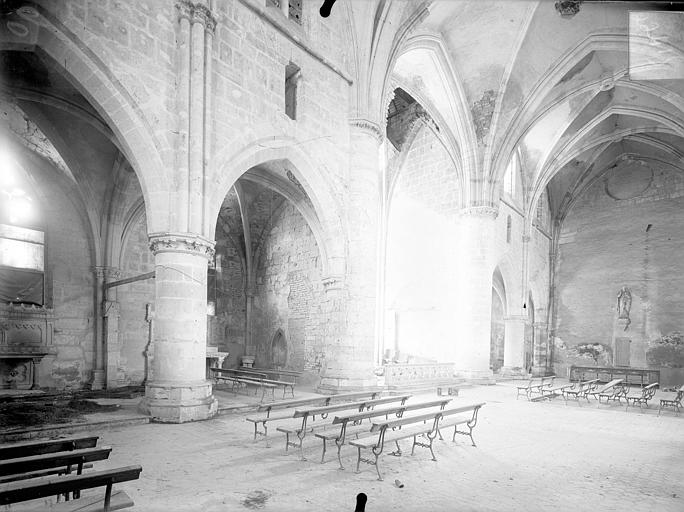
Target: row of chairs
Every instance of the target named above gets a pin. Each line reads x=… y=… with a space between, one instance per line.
x=53 y=472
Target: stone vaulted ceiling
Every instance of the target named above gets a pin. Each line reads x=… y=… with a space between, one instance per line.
x=558 y=90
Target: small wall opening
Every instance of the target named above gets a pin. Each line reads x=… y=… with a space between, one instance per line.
x=292 y=76
x=279 y=350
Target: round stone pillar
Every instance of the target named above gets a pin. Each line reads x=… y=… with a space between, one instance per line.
x=177 y=390
x=473 y=270
x=350 y=349
x=514 y=344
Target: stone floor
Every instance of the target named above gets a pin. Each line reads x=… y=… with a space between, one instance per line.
x=530 y=456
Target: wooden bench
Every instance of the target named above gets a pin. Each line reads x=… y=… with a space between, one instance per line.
x=35 y=488
x=605 y=390
x=553 y=392
x=353 y=423
x=643 y=397
x=675 y=402
x=612 y=392
x=281 y=373
x=301 y=430
x=66 y=460
x=239 y=378
x=535 y=385
x=288 y=404
x=24 y=449
x=454 y=417
x=426 y=425
x=580 y=390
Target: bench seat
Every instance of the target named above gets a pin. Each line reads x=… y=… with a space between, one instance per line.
x=27 y=448
x=36 y=488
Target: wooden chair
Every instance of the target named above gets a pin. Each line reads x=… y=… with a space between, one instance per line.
x=675 y=403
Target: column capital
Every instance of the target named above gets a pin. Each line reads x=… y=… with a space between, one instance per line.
x=516 y=318
x=188 y=243
x=368 y=126
x=333 y=283
x=196 y=13
x=480 y=211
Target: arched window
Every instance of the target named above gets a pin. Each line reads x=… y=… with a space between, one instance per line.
x=511 y=181
x=22 y=242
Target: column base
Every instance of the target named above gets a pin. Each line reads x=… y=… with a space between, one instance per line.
x=513 y=371
x=485 y=377
x=179 y=402
x=98 y=380
x=332 y=385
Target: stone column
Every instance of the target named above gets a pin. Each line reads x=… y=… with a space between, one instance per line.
x=103 y=275
x=514 y=343
x=540 y=350
x=177 y=390
x=350 y=360
x=472 y=291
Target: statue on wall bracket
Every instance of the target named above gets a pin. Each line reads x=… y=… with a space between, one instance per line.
x=624 y=304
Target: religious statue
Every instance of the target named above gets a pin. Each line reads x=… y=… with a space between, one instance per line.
x=624 y=303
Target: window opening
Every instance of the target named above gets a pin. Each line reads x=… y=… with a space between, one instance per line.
x=292 y=77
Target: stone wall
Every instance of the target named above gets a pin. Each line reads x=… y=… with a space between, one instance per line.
x=132 y=298
x=419 y=251
x=289 y=294
x=608 y=243
x=69 y=291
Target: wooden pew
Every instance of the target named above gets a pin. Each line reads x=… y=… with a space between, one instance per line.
x=35 y=488
x=25 y=449
x=238 y=378
x=64 y=460
x=643 y=397
x=289 y=412
x=279 y=374
x=426 y=425
x=535 y=385
x=301 y=430
x=674 y=402
x=353 y=423
x=580 y=390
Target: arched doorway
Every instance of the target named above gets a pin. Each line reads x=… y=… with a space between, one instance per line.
x=279 y=350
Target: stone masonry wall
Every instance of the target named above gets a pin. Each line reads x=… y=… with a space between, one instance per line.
x=69 y=289
x=609 y=243
x=132 y=298
x=289 y=293
x=423 y=206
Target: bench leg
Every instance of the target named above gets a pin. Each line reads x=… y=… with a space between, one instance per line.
x=300 y=436
x=377 y=468
x=108 y=497
x=358 y=461
x=397 y=452
x=339 y=453
x=323 y=454
x=287 y=440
